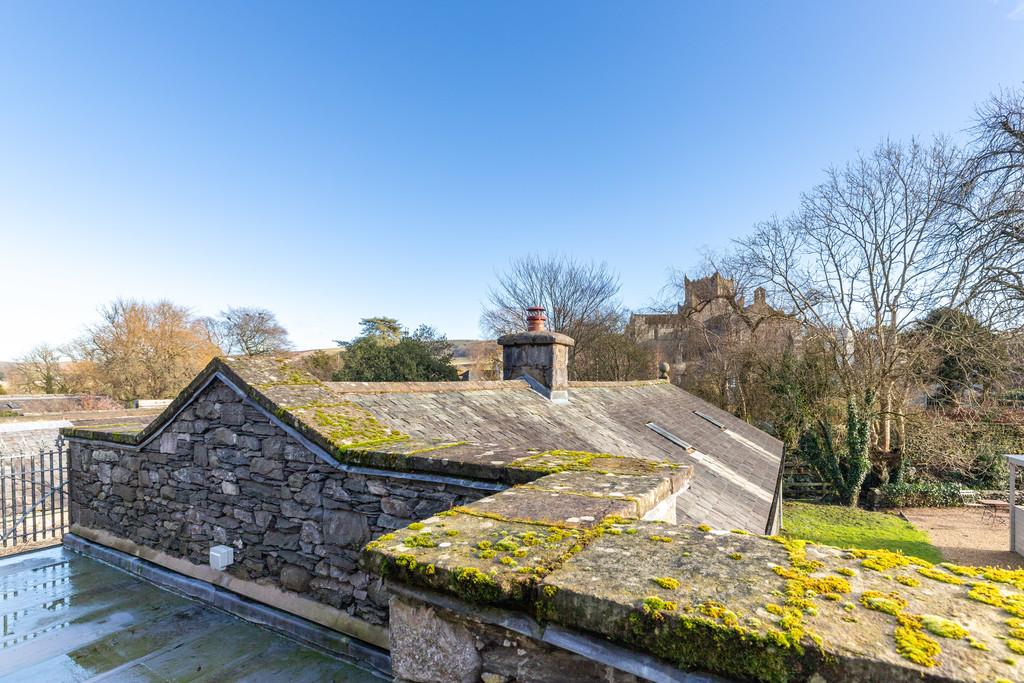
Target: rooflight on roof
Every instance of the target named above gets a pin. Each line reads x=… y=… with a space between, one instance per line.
x=709 y=419
x=657 y=429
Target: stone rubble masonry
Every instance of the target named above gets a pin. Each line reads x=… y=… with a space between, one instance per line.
x=224 y=473
x=431 y=644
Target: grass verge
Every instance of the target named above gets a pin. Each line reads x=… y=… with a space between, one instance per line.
x=855 y=528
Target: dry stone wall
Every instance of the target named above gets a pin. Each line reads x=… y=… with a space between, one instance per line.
x=224 y=473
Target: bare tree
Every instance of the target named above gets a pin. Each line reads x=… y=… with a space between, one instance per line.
x=869 y=251
x=143 y=350
x=41 y=370
x=993 y=198
x=579 y=297
x=249 y=331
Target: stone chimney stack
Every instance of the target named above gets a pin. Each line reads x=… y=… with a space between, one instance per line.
x=539 y=356
x=760 y=296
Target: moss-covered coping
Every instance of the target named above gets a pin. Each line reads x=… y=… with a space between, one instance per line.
x=353 y=435
x=728 y=602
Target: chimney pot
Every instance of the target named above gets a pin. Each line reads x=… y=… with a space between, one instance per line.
x=535 y=319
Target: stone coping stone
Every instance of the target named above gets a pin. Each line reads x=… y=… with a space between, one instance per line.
x=556 y=508
x=731 y=603
x=480 y=559
x=643 y=491
x=768 y=609
x=535 y=338
x=497 y=549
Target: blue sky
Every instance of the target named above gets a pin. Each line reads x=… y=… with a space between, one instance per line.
x=337 y=161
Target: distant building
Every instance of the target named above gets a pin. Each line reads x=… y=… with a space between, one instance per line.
x=710 y=315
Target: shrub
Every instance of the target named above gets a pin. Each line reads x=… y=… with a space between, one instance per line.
x=964 y=446
x=921 y=493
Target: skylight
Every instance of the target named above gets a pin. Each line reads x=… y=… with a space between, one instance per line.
x=658 y=429
x=709 y=419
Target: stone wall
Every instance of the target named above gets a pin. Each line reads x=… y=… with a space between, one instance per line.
x=224 y=473
x=434 y=644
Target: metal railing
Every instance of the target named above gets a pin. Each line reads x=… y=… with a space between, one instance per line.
x=33 y=497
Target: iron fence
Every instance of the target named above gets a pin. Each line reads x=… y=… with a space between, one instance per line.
x=33 y=497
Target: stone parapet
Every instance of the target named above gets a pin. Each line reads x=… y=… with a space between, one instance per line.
x=698 y=600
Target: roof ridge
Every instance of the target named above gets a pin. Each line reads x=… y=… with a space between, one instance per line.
x=612 y=384
x=423 y=387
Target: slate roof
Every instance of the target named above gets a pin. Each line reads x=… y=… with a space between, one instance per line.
x=21 y=436
x=735 y=469
x=491 y=429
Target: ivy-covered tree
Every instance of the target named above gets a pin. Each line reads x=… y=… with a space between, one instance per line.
x=386 y=352
x=844 y=464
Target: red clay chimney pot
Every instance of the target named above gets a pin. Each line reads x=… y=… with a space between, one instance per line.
x=535 y=319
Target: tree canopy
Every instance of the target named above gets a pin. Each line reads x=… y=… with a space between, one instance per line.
x=386 y=352
x=248 y=331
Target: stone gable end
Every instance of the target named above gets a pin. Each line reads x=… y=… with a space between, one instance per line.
x=223 y=472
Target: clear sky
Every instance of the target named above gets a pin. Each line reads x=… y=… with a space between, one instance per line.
x=337 y=161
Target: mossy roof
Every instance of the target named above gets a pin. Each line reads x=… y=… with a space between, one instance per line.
x=354 y=433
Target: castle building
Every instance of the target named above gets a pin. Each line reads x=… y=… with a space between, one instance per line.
x=712 y=314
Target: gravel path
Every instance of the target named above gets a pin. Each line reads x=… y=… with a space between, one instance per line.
x=966 y=535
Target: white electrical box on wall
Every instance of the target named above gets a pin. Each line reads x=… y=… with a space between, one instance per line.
x=221 y=557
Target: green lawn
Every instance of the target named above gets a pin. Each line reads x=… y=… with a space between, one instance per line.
x=855 y=528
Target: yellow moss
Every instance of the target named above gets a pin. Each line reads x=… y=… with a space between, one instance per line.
x=825 y=584
x=908 y=581
x=716 y=610
x=939 y=575
x=977 y=644
x=735 y=556
x=881 y=560
x=653 y=604
x=663 y=539
x=846 y=571
x=943 y=627
x=986 y=593
x=916 y=646
x=704 y=527
x=1015 y=645
x=420 y=541
x=666 y=582
x=797 y=550
x=890 y=603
